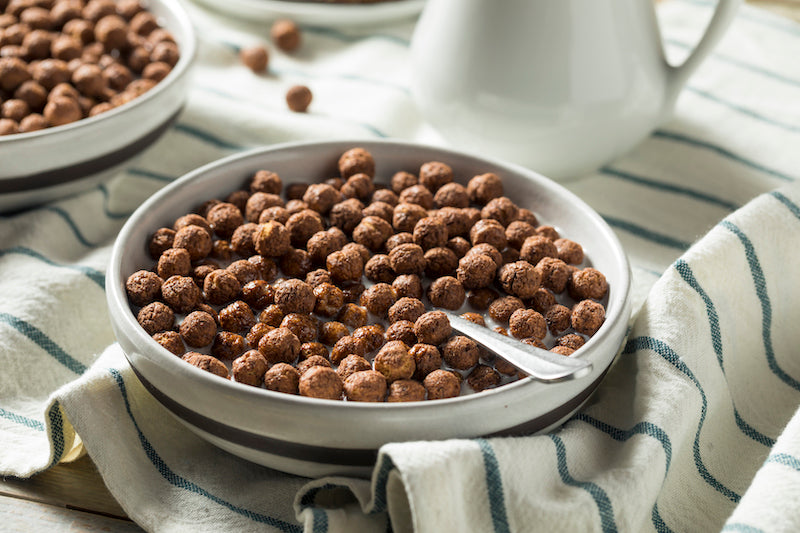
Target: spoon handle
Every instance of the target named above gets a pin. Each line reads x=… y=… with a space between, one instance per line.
x=541 y=365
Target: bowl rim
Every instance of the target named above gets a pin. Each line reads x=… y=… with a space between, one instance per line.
x=123 y=317
x=188 y=50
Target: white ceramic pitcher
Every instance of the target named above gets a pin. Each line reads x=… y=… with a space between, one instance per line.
x=560 y=86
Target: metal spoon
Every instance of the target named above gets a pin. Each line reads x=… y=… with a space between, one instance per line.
x=539 y=364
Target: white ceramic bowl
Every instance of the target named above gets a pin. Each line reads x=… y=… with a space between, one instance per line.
x=48 y=164
x=315 y=437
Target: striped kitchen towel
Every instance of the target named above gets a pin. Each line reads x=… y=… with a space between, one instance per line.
x=695 y=427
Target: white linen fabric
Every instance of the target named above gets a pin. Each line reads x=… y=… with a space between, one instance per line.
x=695 y=428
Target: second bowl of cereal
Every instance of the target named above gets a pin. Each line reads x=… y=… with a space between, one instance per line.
x=290 y=304
x=84 y=88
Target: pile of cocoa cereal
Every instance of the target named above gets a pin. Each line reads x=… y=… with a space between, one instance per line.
x=65 y=60
x=330 y=290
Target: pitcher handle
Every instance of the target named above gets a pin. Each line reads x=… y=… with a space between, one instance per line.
x=678 y=75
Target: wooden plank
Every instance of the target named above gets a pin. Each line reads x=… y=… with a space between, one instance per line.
x=75 y=485
x=25 y=516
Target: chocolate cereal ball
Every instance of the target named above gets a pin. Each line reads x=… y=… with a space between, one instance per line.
x=331 y=331
x=221 y=286
x=555 y=273
x=517 y=231
x=161 y=240
x=379 y=209
x=302 y=225
x=285 y=34
x=271 y=315
x=520 y=279
x=402 y=330
x=350 y=365
x=155 y=317
x=228 y=345
x=356 y=161
x=548 y=232
x=378 y=299
x=502 y=308
x=282 y=377
x=459 y=245
x=501 y=209
x=569 y=251
x=394 y=361
x=406 y=309
x=365 y=386
x=435 y=174
x=224 y=218
x=279 y=346
x=461 y=352
x=526 y=323
x=441 y=384
x=481 y=298
x=451 y=195
x=249 y=368
x=386 y=196
x=321 y=197
x=571 y=340
x=324 y=243
x=483 y=377
x=542 y=300
x=588 y=283
x=406 y=390
x=266 y=181
x=196 y=241
x=430 y=232
x=295 y=296
x=427 y=358
x=419 y=195
x=237 y=317
x=348 y=345
x=198 y=329
x=432 y=328
x=403 y=180
x=558 y=318
x=406 y=216
x=447 y=292
x=475 y=318
x=258 y=293
x=296 y=263
x=192 y=219
x=537 y=247
x=207 y=363
x=352 y=315
x=476 y=271
x=358 y=186
x=260 y=202
x=587 y=317
x=488 y=231
x=347 y=214
x=372 y=232
x=566 y=351
x=256 y=58
x=313 y=349
x=372 y=336
x=457 y=220
x=243 y=239
x=379 y=269
x=408 y=285
x=407 y=259
x=306 y=327
x=345 y=265
x=318 y=276
x=258 y=330
x=321 y=382
x=484 y=188
x=180 y=293
x=171 y=340
x=439 y=262
x=397 y=239
x=329 y=299
x=142 y=287
x=312 y=361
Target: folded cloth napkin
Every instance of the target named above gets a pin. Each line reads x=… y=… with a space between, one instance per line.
x=695 y=427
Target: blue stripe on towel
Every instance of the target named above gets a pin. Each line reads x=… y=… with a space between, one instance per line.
x=44 y=342
x=698 y=143
x=149 y=174
x=179 y=481
x=644 y=233
x=56 y=433
x=21 y=420
x=667 y=353
x=385 y=466
x=607 y=522
x=784 y=459
x=671 y=188
x=320 y=520
x=494 y=486
x=766 y=307
x=95 y=275
x=622 y=435
x=716 y=339
x=739 y=63
x=114 y=216
x=71 y=223
x=743 y=110
x=793 y=207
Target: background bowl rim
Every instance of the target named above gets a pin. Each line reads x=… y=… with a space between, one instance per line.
x=123 y=317
x=188 y=50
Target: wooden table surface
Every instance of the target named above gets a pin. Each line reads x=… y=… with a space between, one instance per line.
x=72 y=496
